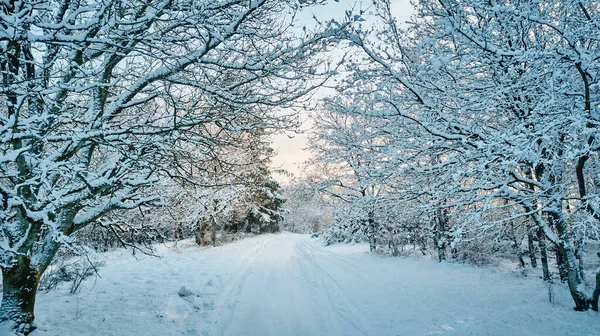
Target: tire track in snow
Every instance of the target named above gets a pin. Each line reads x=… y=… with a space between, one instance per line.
x=330 y=255
x=331 y=280
x=347 y=310
x=417 y=296
x=226 y=301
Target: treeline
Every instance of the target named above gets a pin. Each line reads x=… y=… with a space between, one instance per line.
x=473 y=129
x=245 y=199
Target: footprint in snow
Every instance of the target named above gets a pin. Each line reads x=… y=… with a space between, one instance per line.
x=196 y=301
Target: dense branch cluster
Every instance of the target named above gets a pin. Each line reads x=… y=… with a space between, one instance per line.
x=104 y=100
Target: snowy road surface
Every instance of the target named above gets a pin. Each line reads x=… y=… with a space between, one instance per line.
x=292 y=285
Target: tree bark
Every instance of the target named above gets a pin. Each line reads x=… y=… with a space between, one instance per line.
x=371 y=231
x=198 y=233
x=516 y=245
x=567 y=251
x=579 y=256
x=394 y=248
x=213 y=232
x=204 y=239
x=560 y=263
x=19 y=287
x=178 y=232
x=582 y=302
x=531 y=247
x=543 y=254
x=21 y=276
x=596 y=293
x=439 y=235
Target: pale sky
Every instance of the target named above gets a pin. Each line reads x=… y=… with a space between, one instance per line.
x=291 y=151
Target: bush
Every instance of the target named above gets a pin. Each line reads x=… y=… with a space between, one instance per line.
x=477 y=252
x=72 y=270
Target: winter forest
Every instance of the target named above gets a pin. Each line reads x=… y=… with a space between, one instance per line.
x=452 y=184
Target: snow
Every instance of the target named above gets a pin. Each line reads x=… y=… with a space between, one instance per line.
x=291 y=284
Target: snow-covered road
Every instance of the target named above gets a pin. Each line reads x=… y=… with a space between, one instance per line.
x=291 y=285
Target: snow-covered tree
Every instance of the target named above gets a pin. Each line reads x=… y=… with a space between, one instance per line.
x=493 y=110
x=349 y=147
x=305 y=210
x=100 y=97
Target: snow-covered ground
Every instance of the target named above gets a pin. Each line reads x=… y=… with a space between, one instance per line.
x=291 y=285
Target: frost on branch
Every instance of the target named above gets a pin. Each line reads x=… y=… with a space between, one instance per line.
x=100 y=98
x=480 y=119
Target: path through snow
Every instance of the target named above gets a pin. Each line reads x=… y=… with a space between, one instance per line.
x=291 y=285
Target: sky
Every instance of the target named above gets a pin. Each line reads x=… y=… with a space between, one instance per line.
x=291 y=153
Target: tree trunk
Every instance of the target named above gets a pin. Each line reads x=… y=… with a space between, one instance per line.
x=543 y=254
x=394 y=249
x=574 y=281
x=20 y=281
x=423 y=245
x=213 y=233
x=439 y=234
x=19 y=287
x=371 y=228
x=204 y=239
x=596 y=293
x=198 y=234
x=567 y=252
x=393 y=246
x=560 y=263
x=178 y=232
x=516 y=245
x=579 y=256
x=531 y=247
